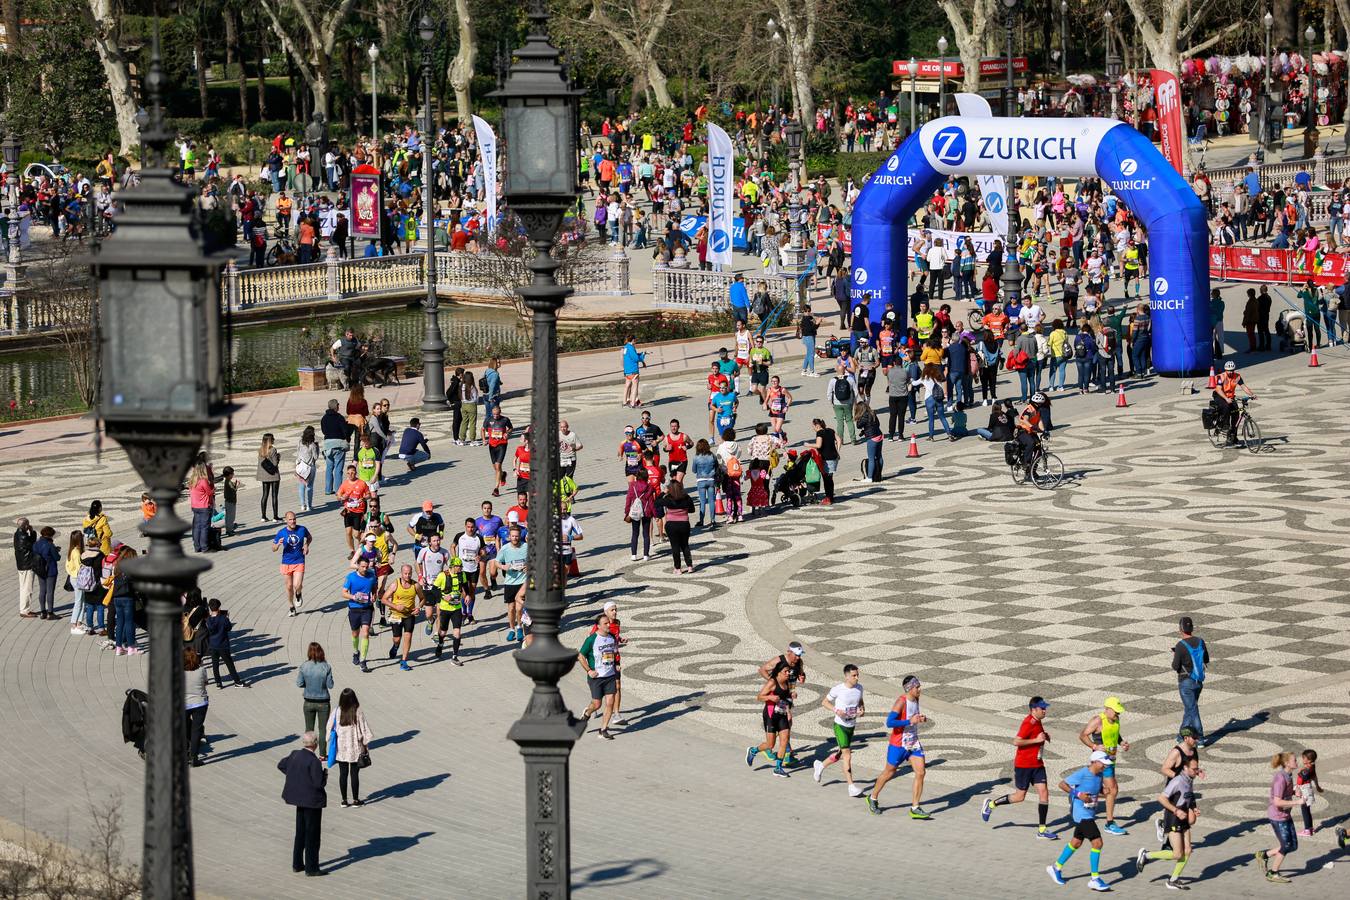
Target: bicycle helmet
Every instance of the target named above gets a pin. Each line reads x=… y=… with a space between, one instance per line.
x=1038 y=398
x=1230 y=366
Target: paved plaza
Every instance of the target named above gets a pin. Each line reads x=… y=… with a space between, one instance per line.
x=987 y=591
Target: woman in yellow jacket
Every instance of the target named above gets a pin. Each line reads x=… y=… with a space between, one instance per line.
x=1061 y=351
x=97 y=520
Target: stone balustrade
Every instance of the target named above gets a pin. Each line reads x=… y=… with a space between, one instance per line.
x=699 y=290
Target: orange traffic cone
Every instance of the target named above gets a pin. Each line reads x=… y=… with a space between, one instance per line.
x=1213 y=379
x=1312 y=360
x=1120 y=398
x=913 y=448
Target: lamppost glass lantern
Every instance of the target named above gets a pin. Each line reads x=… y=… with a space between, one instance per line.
x=13 y=150
x=794 y=140
x=426 y=30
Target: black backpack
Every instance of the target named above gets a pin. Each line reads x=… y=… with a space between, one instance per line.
x=482 y=385
x=133 y=719
x=843 y=393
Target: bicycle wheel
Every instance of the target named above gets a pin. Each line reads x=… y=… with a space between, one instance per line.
x=1047 y=472
x=1218 y=437
x=1250 y=434
x=1019 y=473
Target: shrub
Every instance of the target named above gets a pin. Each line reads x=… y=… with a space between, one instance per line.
x=196 y=128
x=271 y=129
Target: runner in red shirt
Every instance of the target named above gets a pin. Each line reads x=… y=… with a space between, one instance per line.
x=523 y=464
x=496 y=432
x=1028 y=768
x=353 y=494
x=677 y=449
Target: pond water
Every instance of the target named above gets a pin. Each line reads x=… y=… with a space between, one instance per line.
x=44 y=374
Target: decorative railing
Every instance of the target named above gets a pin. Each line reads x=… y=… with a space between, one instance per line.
x=699 y=290
x=457 y=274
x=26 y=312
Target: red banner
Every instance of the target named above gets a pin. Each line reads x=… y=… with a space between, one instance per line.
x=1167 y=99
x=365 y=211
x=931 y=68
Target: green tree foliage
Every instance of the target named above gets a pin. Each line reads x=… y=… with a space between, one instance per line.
x=57 y=94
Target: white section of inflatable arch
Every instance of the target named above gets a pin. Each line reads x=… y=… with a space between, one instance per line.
x=1062 y=147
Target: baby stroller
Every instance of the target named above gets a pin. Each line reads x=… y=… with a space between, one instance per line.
x=792 y=486
x=1292 y=329
x=832 y=347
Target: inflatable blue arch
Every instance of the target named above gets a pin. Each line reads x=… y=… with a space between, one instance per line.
x=1178 y=236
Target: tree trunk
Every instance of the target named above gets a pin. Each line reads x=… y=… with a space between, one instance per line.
x=105 y=34
x=353 y=83
x=1285 y=33
x=296 y=113
x=461 y=69
x=199 y=50
x=234 y=55
x=12 y=33
x=656 y=80
x=258 y=53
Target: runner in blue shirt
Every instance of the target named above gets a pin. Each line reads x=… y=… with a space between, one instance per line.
x=1084 y=787
x=293 y=540
x=359 y=591
x=489 y=526
x=724 y=405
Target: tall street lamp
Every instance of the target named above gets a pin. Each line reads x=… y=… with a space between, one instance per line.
x=1269 y=22
x=1112 y=63
x=162 y=394
x=1012 y=275
x=912 y=67
x=539 y=128
x=794 y=148
x=776 y=43
x=1063 y=38
x=374 y=53
x=942 y=76
x=12 y=149
x=433 y=346
x=1309 y=119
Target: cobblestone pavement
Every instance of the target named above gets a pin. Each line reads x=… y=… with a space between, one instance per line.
x=986 y=590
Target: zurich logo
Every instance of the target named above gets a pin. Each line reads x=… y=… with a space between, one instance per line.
x=892 y=164
x=949 y=146
x=1160 y=286
x=860 y=276
x=720 y=241
x=1128 y=167
x=994 y=202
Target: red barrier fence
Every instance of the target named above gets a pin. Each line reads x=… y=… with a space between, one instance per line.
x=1276 y=266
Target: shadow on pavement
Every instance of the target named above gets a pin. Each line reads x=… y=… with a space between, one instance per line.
x=400 y=738
x=611 y=874
x=1237 y=726
x=961 y=797
x=660 y=711
x=406 y=788
x=375 y=848
x=250 y=749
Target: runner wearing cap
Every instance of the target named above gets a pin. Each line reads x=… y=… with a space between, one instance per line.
x=1103 y=733
x=791 y=659
x=359 y=591
x=845 y=700
x=1083 y=788
x=1186 y=749
x=630 y=451
x=426 y=523
x=716 y=381
x=760 y=359
x=449 y=588
x=742 y=339
x=1028 y=767
x=868 y=360
x=1179 y=814
x=904 y=721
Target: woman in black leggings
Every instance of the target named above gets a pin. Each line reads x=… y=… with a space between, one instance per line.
x=678 y=505
x=348 y=724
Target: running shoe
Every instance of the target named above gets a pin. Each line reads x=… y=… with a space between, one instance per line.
x=440 y=648
x=403 y=664
x=1158 y=829
x=854 y=791
x=1276 y=878
x=393 y=651
x=817 y=770
x=1174 y=885
x=510 y=635
x=780 y=772
x=604 y=733
x=428 y=628
x=365 y=668
x=1260 y=856
x=356 y=659
x=1055 y=875
x=1140 y=859
x=917 y=812
x=790 y=760
x=1113 y=828
x=873 y=806
x=455 y=660
x=1046 y=835
x=1342 y=838
x=298 y=602
x=986 y=809
x=750 y=754
x=291 y=613
x=1097 y=884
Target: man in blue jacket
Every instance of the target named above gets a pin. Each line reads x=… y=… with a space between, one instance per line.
x=305 y=780
x=632 y=367
x=740 y=299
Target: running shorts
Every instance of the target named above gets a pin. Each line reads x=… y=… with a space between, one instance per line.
x=292 y=568
x=679 y=468
x=1284 y=832
x=497 y=454
x=1024 y=778
x=843 y=736
x=1086 y=830
x=760 y=378
x=399 y=627
x=775 y=723
x=453 y=617
x=602 y=687
x=353 y=520
x=510 y=592
x=896 y=756
x=1173 y=823
x=356 y=617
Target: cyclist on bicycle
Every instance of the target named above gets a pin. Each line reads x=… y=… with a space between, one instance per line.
x=1225 y=398
x=1029 y=425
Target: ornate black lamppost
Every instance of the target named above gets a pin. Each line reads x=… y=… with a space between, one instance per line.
x=1012 y=274
x=433 y=346
x=539 y=127
x=161 y=395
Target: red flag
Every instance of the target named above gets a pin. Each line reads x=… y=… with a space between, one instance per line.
x=1167 y=99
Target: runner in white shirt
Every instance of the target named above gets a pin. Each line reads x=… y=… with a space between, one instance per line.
x=569 y=531
x=568 y=445
x=1032 y=313
x=469 y=546
x=431 y=559
x=845 y=700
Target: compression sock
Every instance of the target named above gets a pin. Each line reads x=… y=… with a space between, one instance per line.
x=1161 y=854
x=297 y=598
x=1064 y=856
x=1042 y=810
x=1176 y=870
x=830 y=760
x=780 y=760
x=1094 y=861
x=1000 y=801
x=354 y=640
x=454 y=645
x=365 y=647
